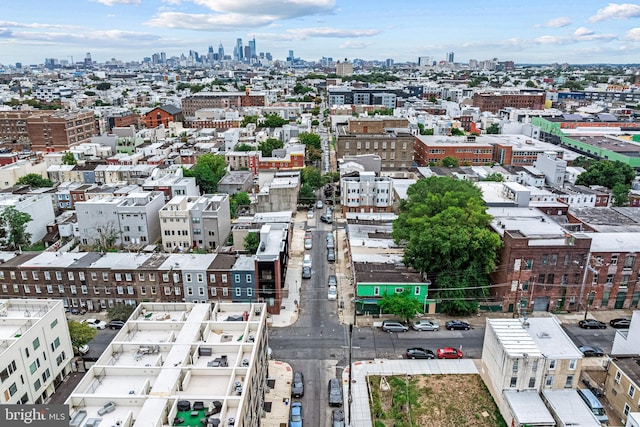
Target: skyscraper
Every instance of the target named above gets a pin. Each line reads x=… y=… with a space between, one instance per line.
x=450 y=57
x=290 y=58
x=220 y=52
x=239 y=51
x=252 y=48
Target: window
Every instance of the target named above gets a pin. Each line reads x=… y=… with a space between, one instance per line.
x=225 y=292
x=376 y=291
x=54 y=323
x=49 y=289
x=212 y=278
x=514 y=381
x=36 y=343
x=55 y=344
x=13 y=389
x=549 y=381
x=514 y=368
x=532 y=382
x=214 y=292
x=249 y=292
x=632 y=391
x=118 y=277
x=37 y=384
x=35 y=275
x=130 y=290
x=200 y=277
x=552 y=364
x=70 y=275
x=236 y=278
x=569 y=382
x=224 y=278
x=617 y=379
x=626 y=410
x=94 y=276
x=33 y=367
x=572 y=364
x=238 y=292
x=105 y=277
x=167 y=290
x=399 y=290
x=534 y=366
x=416 y=290
x=247 y=278
x=189 y=290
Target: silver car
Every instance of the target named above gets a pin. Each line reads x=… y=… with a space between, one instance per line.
x=425 y=325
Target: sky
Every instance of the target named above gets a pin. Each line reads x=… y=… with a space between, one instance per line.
x=542 y=31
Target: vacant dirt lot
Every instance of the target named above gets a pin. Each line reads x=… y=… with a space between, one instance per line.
x=432 y=400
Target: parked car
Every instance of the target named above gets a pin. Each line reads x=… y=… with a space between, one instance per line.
x=308 y=243
x=425 y=325
x=306 y=272
x=335 y=392
x=332 y=293
x=295 y=416
x=83 y=349
x=591 y=351
x=332 y=281
x=319 y=204
x=620 y=323
x=457 y=325
x=310 y=213
x=330 y=244
x=329 y=236
x=95 y=323
x=419 y=353
x=326 y=219
x=449 y=353
x=116 y=324
x=592 y=324
x=306 y=261
x=331 y=255
x=394 y=326
x=297 y=385
x=337 y=418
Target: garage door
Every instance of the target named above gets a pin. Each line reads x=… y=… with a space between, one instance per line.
x=541 y=304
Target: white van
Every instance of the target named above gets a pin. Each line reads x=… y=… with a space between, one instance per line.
x=306 y=261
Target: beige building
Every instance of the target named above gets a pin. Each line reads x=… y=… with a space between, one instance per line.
x=11 y=173
x=175 y=224
x=344 y=68
x=622 y=386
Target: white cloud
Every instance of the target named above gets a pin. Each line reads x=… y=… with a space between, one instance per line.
x=174 y=2
x=551 y=40
x=557 y=22
x=284 y=9
x=203 y=22
x=633 y=35
x=328 y=32
x=582 y=31
x=114 y=2
x=616 y=11
x=350 y=44
x=36 y=25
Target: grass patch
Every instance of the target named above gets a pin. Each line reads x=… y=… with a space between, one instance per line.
x=433 y=400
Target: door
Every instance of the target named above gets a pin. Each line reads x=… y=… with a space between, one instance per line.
x=620 y=297
x=541 y=304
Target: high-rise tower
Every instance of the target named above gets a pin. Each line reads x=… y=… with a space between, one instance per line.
x=239 y=51
x=252 y=48
x=220 y=51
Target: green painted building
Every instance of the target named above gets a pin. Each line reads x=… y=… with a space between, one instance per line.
x=369 y=293
x=606 y=149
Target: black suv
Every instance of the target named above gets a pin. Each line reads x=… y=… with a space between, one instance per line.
x=116 y=324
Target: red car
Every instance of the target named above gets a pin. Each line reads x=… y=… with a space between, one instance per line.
x=449 y=353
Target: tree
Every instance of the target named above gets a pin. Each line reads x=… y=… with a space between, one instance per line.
x=107 y=236
x=238 y=199
x=80 y=333
x=445 y=229
x=457 y=132
x=248 y=119
x=312 y=176
x=273 y=121
x=607 y=174
x=120 y=312
x=267 y=147
x=13 y=228
x=69 y=159
x=495 y=176
x=103 y=86
x=493 y=128
x=402 y=305
x=207 y=171
x=450 y=162
x=310 y=140
x=251 y=242
x=306 y=196
x=34 y=180
x=244 y=147
x=620 y=194
x=583 y=162
x=530 y=83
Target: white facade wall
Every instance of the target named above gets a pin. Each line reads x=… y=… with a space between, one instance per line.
x=34 y=346
x=98 y=216
x=38 y=206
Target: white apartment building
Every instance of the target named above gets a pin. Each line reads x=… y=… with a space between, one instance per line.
x=38 y=206
x=180 y=360
x=366 y=193
x=35 y=349
x=131 y=219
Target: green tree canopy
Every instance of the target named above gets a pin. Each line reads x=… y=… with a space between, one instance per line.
x=238 y=199
x=444 y=226
x=450 y=162
x=69 y=159
x=80 y=333
x=13 y=228
x=267 y=147
x=312 y=176
x=251 y=242
x=607 y=173
x=310 y=140
x=248 y=119
x=244 y=147
x=103 y=86
x=620 y=194
x=493 y=128
x=495 y=176
x=208 y=171
x=306 y=196
x=273 y=121
x=402 y=305
x=120 y=312
x=457 y=132
x=34 y=180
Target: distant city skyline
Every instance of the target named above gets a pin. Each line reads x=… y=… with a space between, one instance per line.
x=588 y=31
